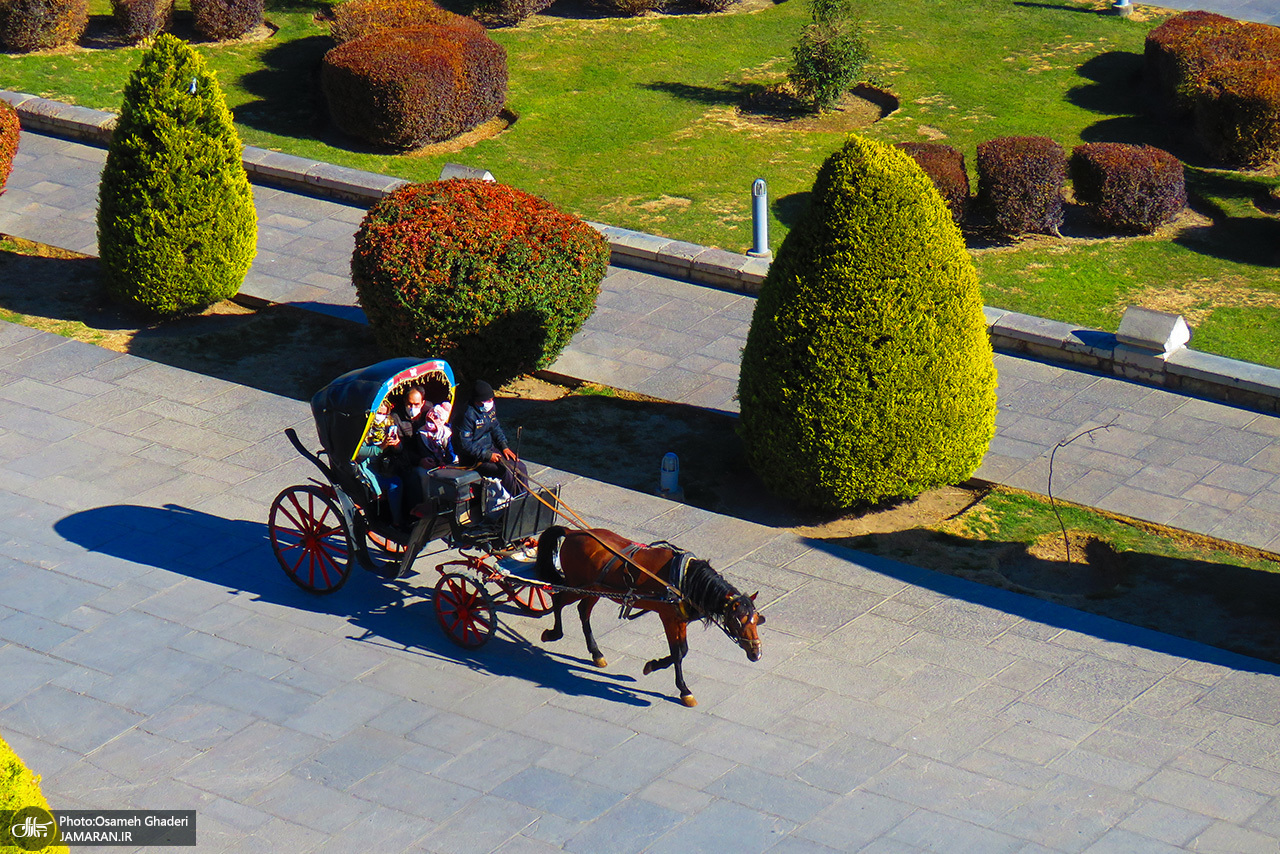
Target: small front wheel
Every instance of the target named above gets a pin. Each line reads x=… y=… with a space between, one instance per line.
x=532 y=597
x=310 y=538
x=465 y=610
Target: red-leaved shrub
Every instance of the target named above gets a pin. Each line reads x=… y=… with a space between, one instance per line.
x=1237 y=113
x=1171 y=52
x=627 y=8
x=405 y=88
x=219 y=20
x=136 y=20
x=1020 y=180
x=10 y=128
x=491 y=278
x=1128 y=188
x=357 y=18
x=27 y=25
x=945 y=167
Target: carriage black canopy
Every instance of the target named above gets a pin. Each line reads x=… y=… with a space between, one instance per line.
x=343 y=410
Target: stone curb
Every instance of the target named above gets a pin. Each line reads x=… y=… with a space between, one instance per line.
x=1202 y=374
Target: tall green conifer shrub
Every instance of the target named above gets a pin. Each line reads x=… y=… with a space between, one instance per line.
x=177 y=229
x=867 y=372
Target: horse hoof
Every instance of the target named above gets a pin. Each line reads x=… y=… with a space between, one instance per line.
x=688 y=700
x=600 y=661
x=548 y=635
x=648 y=668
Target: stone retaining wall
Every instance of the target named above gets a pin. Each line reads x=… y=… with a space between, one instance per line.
x=1202 y=374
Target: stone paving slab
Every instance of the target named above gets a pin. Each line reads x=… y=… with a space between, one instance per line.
x=154 y=656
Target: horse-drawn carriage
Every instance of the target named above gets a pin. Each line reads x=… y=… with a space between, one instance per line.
x=320 y=528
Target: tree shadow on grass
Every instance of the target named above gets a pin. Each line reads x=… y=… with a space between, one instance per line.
x=727 y=94
x=1062 y=7
x=236 y=554
x=288 y=97
x=791 y=208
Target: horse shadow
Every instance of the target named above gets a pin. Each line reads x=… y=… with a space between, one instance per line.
x=236 y=554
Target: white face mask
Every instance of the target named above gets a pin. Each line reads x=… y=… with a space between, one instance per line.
x=380 y=417
x=487 y=406
x=414 y=410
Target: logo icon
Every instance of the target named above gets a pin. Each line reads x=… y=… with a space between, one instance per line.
x=31 y=829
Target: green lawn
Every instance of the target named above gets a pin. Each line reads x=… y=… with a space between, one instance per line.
x=634 y=122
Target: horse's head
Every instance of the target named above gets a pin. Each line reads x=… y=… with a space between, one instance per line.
x=741 y=623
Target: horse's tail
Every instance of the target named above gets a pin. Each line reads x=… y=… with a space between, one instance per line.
x=548 y=545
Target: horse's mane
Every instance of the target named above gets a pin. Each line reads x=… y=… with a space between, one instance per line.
x=707 y=590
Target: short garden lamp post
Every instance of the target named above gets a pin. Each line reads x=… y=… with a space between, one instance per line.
x=760 y=219
x=1123 y=8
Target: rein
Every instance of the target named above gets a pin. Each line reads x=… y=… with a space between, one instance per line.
x=569 y=513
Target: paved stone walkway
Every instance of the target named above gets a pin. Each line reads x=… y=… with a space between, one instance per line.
x=1205 y=467
x=152 y=655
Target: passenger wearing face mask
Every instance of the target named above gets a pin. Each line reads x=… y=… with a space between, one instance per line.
x=376 y=459
x=482 y=444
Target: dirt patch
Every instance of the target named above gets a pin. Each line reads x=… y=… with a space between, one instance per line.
x=1198 y=299
x=497 y=125
x=777 y=105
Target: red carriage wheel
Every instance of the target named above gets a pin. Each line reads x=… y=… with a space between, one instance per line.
x=465 y=610
x=531 y=596
x=310 y=538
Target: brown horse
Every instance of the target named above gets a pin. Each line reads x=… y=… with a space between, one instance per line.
x=677 y=588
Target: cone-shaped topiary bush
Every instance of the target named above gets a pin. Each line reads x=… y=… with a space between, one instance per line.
x=10 y=129
x=867 y=372
x=177 y=228
x=495 y=280
x=20 y=790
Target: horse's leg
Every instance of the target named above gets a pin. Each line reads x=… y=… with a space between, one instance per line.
x=677 y=642
x=584 y=611
x=558 y=601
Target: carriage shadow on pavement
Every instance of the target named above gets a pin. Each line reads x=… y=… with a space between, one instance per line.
x=236 y=554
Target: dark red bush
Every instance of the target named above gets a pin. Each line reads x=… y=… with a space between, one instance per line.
x=1020 y=181
x=136 y=20
x=626 y=8
x=945 y=167
x=9 y=131
x=493 y=279
x=405 y=88
x=1128 y=188
x=27 y=25
x=1169 y=49
x=1237 y=113
x=357 y=18
x=508 y=13
x=220 y=20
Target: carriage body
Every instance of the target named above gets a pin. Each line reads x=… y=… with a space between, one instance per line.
x=320 y=529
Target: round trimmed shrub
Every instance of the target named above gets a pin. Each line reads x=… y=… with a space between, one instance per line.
x=177 y=229
x=507 y=13
x=945 y=167
x=1237 y=113
x=1170 y=52
x=10 y=130
x=627 y=8
x=1020 y=181
x=357 y=18
x=1131 y=189
x=138 y=20
x=220 y=20
x=867 y=372
x=404 y=88
x=19 y=789
x=27 y=25
x=493 y=279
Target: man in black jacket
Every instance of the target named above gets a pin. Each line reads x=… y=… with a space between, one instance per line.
x=481 y=442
